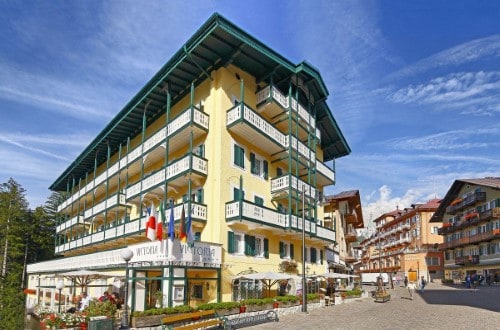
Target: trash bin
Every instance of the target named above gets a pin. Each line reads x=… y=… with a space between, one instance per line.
x=101 y=324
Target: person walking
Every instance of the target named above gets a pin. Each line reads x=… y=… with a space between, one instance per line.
x=406 y=281
x=422 y=284
x=411 y=289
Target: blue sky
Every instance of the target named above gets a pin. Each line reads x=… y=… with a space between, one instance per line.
x=414 y=85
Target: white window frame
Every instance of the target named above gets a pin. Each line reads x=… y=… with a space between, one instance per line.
x=239 y=246
x=286 y=247
x=260 y=253
x=259 y=160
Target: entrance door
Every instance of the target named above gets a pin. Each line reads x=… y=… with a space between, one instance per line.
x=412 y=276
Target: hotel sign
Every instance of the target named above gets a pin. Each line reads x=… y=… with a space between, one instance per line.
x=158 y=252
x=154 y=253
x=495 y=212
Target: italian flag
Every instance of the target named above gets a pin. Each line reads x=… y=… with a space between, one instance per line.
x=151 y=224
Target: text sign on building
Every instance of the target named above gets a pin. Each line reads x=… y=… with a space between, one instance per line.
x=158 y=251
x=495 y=212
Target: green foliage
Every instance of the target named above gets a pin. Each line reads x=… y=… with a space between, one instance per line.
x=221 y=305
x=312 y=296
x=13 y=237
x=287 y=299
x=355 y=292
x=98 y=308
x=162 y=311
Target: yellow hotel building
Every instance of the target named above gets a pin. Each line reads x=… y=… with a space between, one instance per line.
x=228 y=130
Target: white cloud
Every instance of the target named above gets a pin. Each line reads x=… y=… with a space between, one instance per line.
x=461 y=54
x=464 y=90
x=458 y=140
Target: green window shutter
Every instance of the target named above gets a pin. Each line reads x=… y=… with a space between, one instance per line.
x=266 y=169
x=252 y=245
x=200 y=196
x=197 y=236
x=252 y=163
x=202 y=150
x=292 y=253
x=230 y=242
x=236 y=194
x=313 y=255
x=282 y=250
x=259 y=201
x=239 y=156
x=247 y=245
x=266 y=248
x=321 y=256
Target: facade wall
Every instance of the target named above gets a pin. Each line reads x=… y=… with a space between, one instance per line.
x=472 y=233
x=216 y=96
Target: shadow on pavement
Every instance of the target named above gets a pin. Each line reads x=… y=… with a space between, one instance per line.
x=484 y=297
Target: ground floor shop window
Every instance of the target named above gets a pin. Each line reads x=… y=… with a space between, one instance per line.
x=246 y=289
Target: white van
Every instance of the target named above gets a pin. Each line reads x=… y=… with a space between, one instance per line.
x=371 y=278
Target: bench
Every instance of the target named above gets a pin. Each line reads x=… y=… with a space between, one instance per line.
x=382 y=298
x=248 y=319
x=193 y=320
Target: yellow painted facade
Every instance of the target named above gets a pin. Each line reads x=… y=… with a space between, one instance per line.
x=196 y=148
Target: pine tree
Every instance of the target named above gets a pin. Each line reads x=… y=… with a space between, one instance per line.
x=13 y=219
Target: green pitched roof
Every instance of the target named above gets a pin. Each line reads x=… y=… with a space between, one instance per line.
x=217 y=43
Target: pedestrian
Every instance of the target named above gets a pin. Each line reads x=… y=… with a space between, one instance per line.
x=84 y=301
x=467 y=282
x=406 y=281
x=411 y=289
x=422 y=284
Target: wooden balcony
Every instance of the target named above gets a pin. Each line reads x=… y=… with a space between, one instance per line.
x=470 y=200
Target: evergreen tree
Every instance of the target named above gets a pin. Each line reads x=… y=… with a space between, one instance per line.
x=13 y=221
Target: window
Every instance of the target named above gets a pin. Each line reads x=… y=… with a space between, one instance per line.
x=279 y=171
x=237 y=194
x=432 y=261
x=258 y=166
x=434 y=230
x=235 y=243
x=196 y=291
x=197 y=196
x=199 y=150
x=313 y=256
x=258 y=200
x=239 y=156
x=248 y=245
x=286 y=250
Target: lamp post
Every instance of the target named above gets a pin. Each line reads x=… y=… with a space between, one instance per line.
x=304 y=291
x=126 y=255
x=60 y=286
x=380 y=257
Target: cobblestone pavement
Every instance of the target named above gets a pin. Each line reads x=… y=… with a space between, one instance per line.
x=440 y=307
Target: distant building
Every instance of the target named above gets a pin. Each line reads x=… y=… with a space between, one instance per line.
x=228 y=134
x=343 y=211
x=405 y=244
x=470 y=218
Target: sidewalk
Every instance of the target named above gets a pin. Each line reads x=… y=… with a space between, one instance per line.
x=440 y=307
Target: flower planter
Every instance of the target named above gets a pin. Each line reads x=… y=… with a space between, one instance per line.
x=226 y=312
x=276 y=304
x=243 y=309
x=147 y=321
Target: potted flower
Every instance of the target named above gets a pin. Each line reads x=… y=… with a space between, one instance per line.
x=159 y=299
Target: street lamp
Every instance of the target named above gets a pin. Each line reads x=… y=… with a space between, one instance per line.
x=60 y=286
x=304 y=291
x=381 y=283
x=126 y=255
